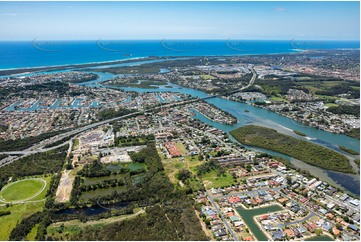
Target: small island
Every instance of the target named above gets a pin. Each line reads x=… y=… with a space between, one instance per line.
x=303 y=150
x=299 y=133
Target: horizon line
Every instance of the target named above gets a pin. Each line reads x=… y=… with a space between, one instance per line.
x=164 y=39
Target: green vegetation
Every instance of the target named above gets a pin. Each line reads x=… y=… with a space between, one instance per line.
x=299 y=133
x=75 y=144
x=166 y=207
x=141 y=84
x=97 y=180
x=141 y=69
x=95 y=169
x=341 y=89
x=306 y=151
x=207 y=77
x=20 y=144
x=213 y=175
x=31 y=236
x=112 y=113
x=22 y=229
x=345 y=109
x=19 y=211
x=214 y=179
x=35 y=164
x=4 y=213
x=28 y=188
x=357 y=162
x=354 y=133
x=350 y=151
x=158 y=223
x=123 y=141
x=63 y=230
x=173 y=166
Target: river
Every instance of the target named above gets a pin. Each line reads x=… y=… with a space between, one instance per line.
x=276 y=121
x=258 y=116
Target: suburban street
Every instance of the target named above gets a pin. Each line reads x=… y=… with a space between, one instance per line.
x=222 y=217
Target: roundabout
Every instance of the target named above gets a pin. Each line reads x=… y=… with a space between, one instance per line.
x=22 y=190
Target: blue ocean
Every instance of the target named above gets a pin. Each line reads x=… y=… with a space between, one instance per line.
x=36 y=53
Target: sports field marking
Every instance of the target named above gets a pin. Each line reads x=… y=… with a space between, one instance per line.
x=3 y=200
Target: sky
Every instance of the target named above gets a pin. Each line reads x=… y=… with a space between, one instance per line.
x=179 y=20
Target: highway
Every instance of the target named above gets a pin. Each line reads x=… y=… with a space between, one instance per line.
x=39 y=147
x=251 y=82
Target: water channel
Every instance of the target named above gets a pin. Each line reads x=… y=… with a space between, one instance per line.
x=248 y=114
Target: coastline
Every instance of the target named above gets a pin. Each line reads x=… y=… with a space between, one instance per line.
x=27 y=70
x=125 y=60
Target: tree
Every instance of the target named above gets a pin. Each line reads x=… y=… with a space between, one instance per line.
x=339 y=226
x=184 y=175
x=289 y=180
x=318 y=231
x=69 y=166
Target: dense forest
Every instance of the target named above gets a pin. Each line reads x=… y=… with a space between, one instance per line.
x=35 y=164
x=173 y=222
x=133 y=140
x=306 y=151
x=112 y=113
x=169 y=212
x=345 y=109
x=341 y=89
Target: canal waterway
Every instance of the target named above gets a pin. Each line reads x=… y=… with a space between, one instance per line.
x=248 y=217
x=248 y=114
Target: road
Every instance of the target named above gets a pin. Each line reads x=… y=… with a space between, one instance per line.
x=251 y=82
x=252 y=192
x=222 y=217
x=39 y=147
x=298 y=221
x=214 y=137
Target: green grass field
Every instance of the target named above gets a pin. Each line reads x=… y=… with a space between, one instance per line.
x=20 y=211
x=173 y=165
x=211 y=179
x=22 y=190
x=331 y=105
x=31 y=236
x=279 y=99
x=207 y=77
